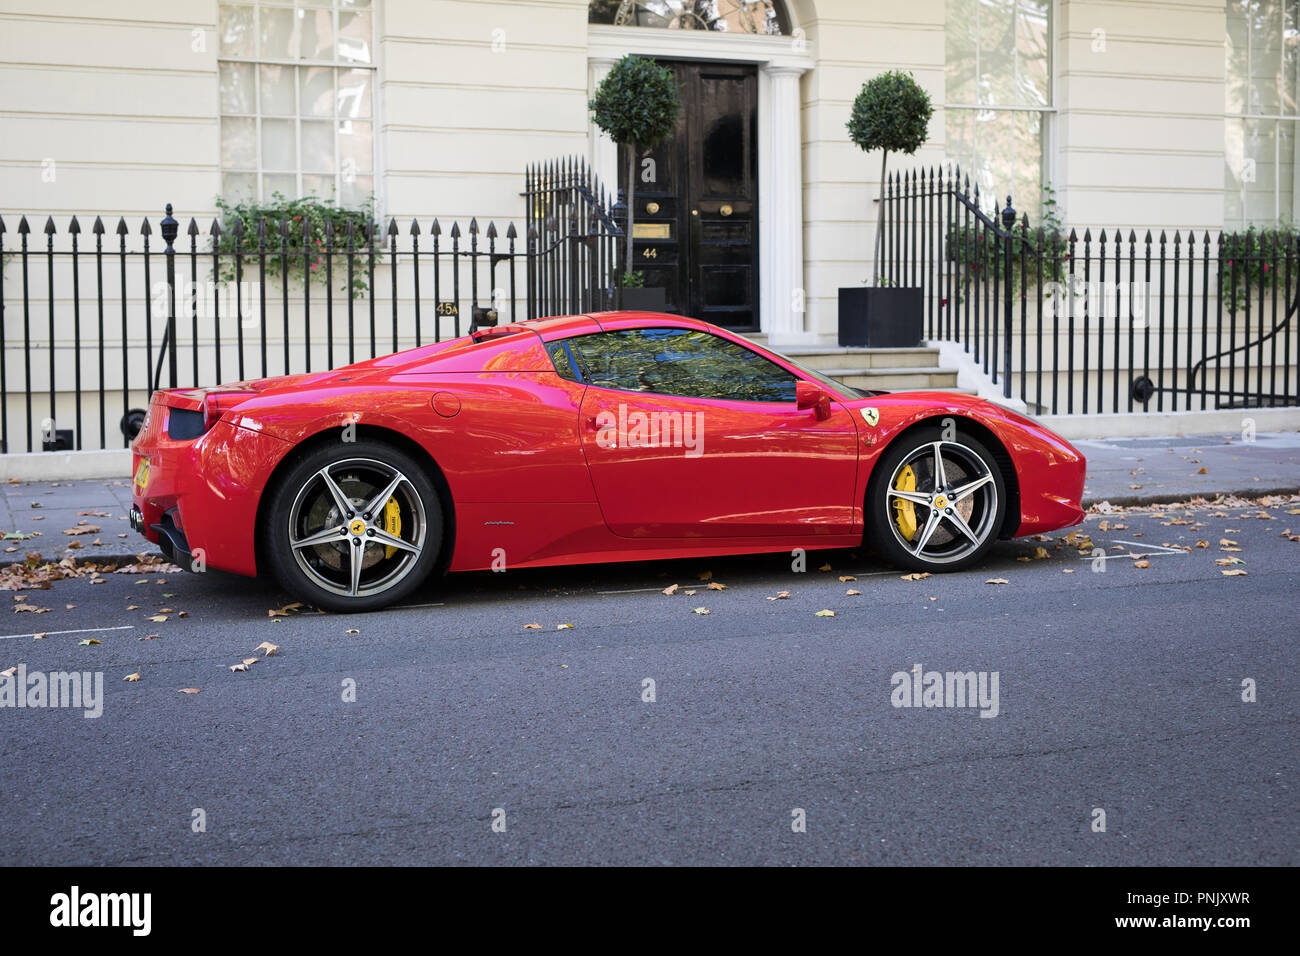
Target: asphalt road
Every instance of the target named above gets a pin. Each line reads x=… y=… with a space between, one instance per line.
x=1119 y=690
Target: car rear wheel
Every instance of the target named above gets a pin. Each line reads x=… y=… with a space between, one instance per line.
x=354 y=527
x=935 y=504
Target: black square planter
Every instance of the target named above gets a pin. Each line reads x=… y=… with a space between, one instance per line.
x=880 y=318
x=647 y=299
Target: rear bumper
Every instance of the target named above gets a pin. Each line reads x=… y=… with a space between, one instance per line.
x=199 y=503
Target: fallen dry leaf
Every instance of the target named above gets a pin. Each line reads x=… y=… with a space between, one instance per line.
x=705 y=575
x=563 y=627
x=824 y=613
x=9 y=672
x=1142 y=564
x=267 y=648
x=845 y=578
x=780 y=596
x=239 y=667
x=1202 y=471
x=132 y=678
x=670 y=590
x=88 y=641
x=852 y=592
x=716 y=586
x=532 y=627
x=83 y=529
x=997 y=581
x=1234 y=572
x=159 y=618
x=188 y=690
x=700 y=610
x=916 y=576
x=825 y=567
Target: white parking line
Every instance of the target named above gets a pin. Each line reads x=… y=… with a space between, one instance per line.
x=1159 y=551
x=1159 y=547
x=80 y=630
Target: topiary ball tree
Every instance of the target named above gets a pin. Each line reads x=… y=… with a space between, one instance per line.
x=892 y=114
x=636 y=104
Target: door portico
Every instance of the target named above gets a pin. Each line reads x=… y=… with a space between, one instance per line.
x=781 y=61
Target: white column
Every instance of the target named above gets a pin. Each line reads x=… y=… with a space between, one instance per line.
x=781 y=283
x=603 y=151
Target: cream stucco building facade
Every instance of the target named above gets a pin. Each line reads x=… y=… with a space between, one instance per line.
x=114 y=108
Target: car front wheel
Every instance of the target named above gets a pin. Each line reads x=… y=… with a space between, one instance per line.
x=354 y=527
x=935 y=504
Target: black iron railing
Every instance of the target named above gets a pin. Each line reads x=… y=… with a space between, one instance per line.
x=569 y=221
x=88 y=329
x=1105 y=322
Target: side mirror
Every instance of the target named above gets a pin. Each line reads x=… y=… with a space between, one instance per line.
x=808 y=395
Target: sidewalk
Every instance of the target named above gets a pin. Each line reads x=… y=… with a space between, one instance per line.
x=1122 y=471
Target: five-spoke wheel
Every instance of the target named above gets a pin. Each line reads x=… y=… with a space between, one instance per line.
x=935 y=502
x=354 y=526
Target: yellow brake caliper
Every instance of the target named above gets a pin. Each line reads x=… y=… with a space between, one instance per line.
x=392 y=524
x=905 y=511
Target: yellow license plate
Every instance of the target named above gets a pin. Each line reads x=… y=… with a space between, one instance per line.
x=142 y=474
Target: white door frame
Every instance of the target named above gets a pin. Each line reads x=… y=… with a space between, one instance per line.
x=782 y=61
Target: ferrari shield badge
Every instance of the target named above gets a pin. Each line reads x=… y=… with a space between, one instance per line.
x=872 y=416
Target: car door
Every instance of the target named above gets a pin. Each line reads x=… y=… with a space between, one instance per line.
x=687 y=434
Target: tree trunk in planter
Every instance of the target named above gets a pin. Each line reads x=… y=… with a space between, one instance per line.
x=880 y=318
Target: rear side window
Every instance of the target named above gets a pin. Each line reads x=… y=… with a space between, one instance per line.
x=563 y=359
x=685 y=362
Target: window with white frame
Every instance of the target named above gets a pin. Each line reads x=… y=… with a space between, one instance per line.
x=998 y=106
x=1260 y=109
x=297 y=89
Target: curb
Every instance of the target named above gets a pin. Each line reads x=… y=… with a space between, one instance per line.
x=116 y=558
x=1125 y=501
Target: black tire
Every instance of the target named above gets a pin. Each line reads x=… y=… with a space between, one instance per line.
x=948 y=533
x=312 y=532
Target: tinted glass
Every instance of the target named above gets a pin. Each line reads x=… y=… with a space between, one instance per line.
x=681 y=362
x=563 y=366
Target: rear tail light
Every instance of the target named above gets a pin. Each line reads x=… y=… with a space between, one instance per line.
x=216 y=404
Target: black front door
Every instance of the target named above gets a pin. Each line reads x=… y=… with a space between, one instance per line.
x=696 y=220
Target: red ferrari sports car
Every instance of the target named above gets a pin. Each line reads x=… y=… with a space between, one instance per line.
x=607 y=437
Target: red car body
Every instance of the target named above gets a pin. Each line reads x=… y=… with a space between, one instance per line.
x=513 y=443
